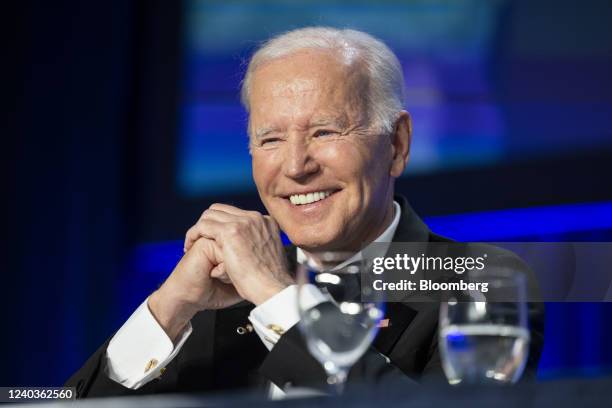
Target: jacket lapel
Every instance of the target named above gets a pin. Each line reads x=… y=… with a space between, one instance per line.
x=410 y=229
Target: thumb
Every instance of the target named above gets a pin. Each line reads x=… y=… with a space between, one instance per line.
x=218 y=271
x=210 y=250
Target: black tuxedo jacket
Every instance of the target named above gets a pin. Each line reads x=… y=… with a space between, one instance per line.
x=217 y=358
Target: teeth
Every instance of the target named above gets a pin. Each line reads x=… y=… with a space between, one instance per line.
x=301 y=199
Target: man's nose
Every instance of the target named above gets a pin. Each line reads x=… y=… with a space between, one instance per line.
x=299 y=161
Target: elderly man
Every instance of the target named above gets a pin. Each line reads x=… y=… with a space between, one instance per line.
x=328 y=138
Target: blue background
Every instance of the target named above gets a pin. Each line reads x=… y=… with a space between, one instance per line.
x=125 y=125
x=468 y=65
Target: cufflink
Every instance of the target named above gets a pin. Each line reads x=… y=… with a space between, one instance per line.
x=152 y=363
x=276 y=329
x=244 y=330
x=161 y=372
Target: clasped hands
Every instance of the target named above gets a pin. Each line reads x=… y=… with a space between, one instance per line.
x=230 y=255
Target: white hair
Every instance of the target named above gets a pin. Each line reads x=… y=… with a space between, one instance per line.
x=385 y=94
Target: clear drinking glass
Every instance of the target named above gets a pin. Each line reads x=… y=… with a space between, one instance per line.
x=484 y=337
x=338 y=331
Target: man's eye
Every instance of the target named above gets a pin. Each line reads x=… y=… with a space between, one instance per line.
x=323 y=132
x=270 y=141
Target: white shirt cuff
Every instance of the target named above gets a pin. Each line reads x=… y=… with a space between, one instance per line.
x=279 y=313
x=141 y=349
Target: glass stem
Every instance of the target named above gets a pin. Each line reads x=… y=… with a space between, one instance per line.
x=336 y=378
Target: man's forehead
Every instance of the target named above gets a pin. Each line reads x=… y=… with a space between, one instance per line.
x=299 y=72
x=301 y=92
x=339 y=118
x=291 y=86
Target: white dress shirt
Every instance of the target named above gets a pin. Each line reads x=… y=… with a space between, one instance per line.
x=141 y=349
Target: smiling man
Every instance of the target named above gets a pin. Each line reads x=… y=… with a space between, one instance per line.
x=328 y=138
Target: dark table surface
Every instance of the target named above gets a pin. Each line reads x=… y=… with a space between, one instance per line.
x=596 y=392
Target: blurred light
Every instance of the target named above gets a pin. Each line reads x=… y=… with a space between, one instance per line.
x=325 y=277
x=523 y=222
x=350 y=308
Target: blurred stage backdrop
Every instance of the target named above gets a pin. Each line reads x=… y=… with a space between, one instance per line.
x=128 y=125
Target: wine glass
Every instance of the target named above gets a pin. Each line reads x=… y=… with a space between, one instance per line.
x=339 y=330
x=484 y=337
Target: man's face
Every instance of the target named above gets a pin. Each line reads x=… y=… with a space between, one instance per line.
x=321 y=171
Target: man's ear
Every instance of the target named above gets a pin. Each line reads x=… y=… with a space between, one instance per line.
x=400 y=144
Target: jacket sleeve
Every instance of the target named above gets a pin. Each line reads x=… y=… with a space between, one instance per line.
x=91 y=379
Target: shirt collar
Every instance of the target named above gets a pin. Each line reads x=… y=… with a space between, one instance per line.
x=386 y=236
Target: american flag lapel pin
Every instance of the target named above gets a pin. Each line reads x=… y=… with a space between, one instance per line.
x=383 y=323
